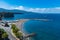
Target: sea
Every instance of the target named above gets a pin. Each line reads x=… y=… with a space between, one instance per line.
x=45 y=30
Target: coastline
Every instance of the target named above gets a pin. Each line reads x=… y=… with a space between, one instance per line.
x=19 y=25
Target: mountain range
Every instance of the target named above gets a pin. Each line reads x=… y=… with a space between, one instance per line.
x=13 y=11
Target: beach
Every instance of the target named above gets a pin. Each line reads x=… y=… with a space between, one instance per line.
x=20 y=22
x=19 y=25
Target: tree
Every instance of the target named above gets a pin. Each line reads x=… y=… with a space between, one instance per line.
x=18 y=34
x=2 y=30
x=4 y=35
x=13 y=26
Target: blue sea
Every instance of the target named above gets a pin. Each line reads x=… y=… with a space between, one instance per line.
x=45 y=30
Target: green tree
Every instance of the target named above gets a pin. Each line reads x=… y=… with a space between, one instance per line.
x=2 y=30
x=13 y=26
x=4 y=35
x=18 y=34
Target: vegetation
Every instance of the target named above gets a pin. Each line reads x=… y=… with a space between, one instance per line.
x=4 y=14
x=2 y=30
x=3 y=33
x=14 y=28
x=18 y=34
x=16 y=31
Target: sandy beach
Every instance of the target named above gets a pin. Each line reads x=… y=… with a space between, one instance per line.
x=19 y=25
x=20 y=22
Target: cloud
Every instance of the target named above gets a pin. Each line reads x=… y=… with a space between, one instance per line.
x=20 y=8
x=37 y=10
x=47 y=10
x=52 y=10
x=40 y=10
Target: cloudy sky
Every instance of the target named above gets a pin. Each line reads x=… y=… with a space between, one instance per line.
x=40 y=6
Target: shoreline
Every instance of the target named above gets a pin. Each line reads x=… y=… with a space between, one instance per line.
x=19 y=25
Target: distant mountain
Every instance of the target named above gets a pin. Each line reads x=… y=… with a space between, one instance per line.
x=3 y=10
x=13 y=11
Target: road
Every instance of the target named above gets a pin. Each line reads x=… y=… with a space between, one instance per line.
x=8 y=30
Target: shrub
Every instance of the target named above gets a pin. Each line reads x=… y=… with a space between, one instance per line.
x=16 y=30
x=13 y=26
x=2 y=30
x=18 y=34
x=4 y=35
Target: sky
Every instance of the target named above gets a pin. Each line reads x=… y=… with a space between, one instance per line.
x=40 y=6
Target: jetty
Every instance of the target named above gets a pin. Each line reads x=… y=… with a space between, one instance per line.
x=30 y=35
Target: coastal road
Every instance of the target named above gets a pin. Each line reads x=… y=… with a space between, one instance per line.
x=8 y=30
